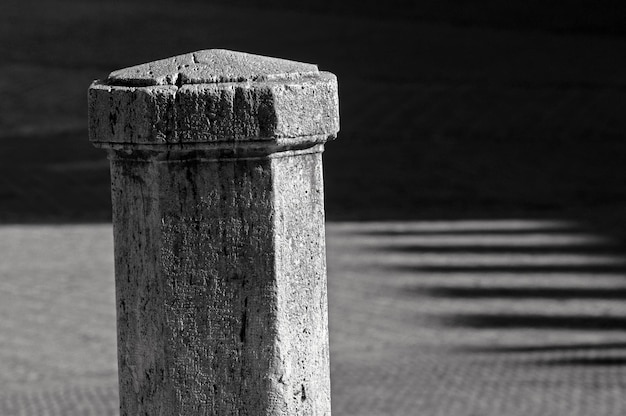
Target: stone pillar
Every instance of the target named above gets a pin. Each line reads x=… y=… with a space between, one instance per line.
x=219 y=232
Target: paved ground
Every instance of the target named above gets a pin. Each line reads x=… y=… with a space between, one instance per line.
x=498 y=147
x=462 y=318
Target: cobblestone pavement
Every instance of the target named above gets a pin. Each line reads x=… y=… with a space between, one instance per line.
x=451 y=318
x=477 y=318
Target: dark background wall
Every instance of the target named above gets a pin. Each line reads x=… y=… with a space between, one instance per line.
x=601 y=16
x=452 y=109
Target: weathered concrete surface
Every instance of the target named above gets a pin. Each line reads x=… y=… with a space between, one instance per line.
x=211 y=66
x=219 y=246
x=254 y=98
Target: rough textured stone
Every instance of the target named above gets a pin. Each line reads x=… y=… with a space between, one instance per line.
x=211 y=66
x=219 y=236
x=266 y=99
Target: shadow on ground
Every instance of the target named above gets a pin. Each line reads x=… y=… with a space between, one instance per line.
x=522 y=293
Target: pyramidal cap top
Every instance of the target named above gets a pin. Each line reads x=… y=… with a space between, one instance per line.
x=211 y=97
x=210 y=66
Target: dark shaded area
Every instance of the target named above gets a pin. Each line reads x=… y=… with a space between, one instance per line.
x=52 y=177
x=448 y=109
x=506 y=248
x=532 y=321
x=595 y=354
x=519 y=269
x=527 y=292
x=582 y=361
x=546 y=348
x=600 y=16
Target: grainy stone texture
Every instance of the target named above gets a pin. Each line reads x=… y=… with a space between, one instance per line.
x=204 y=106
x=219 y=233
x=211 y=66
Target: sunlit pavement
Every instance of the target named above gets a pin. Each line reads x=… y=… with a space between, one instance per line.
x=451 y=318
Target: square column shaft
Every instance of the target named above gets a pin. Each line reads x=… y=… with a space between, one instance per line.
x=219 y=232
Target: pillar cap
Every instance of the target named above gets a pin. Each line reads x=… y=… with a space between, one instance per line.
x=208 y=67
x=214 y=97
